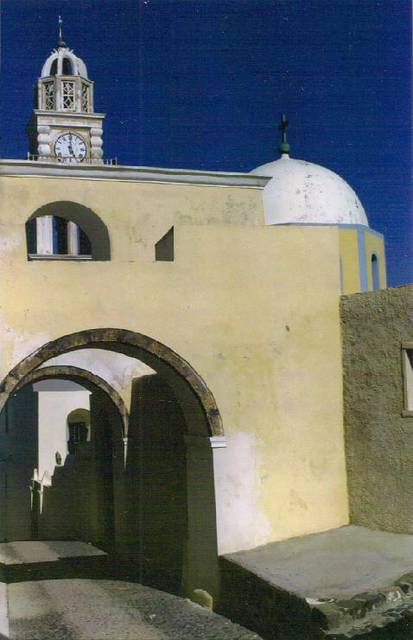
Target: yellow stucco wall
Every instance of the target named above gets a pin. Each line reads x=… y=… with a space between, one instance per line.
x=248 y=306
x=349 y=254
x=375 y=244
x=357 y=245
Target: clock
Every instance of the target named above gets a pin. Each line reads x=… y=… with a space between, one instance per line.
x=70 y=147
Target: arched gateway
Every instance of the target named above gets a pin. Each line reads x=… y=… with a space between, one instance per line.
x=164 y=503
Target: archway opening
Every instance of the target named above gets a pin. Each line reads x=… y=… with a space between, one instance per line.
x=164 y=503
x=60 y=437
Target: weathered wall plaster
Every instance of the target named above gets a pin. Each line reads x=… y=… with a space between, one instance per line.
x=253 y=309
x=237 y=490
x=379 y=440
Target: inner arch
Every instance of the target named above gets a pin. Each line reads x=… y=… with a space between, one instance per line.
x=187 y=384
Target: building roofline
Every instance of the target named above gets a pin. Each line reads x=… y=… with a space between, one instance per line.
x=130 y=173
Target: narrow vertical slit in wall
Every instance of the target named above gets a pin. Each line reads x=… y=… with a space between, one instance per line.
x=375 y=272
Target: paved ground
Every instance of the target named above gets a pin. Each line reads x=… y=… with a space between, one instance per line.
x=340 y=563
x=108 y=610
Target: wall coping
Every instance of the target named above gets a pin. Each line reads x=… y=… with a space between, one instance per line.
x=32 y=168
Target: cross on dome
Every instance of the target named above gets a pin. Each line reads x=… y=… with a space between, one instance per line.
x=284 y=146
x=301 y=192
x=61 y=42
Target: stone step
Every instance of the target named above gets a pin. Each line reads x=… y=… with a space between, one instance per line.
x=337 y=584
x=42 y=560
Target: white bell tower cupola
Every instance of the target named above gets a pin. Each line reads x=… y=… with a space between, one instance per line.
x=64 y=127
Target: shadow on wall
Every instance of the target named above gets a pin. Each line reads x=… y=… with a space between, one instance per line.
x=165 y=515
x=79 y=503
x=156 y=499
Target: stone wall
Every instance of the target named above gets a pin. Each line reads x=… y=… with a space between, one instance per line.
x=379 y=439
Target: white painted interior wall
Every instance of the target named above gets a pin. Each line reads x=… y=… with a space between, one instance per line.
x=116 y=369
x=57 y=398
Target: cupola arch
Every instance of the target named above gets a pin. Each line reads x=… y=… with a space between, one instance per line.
x=59 y=56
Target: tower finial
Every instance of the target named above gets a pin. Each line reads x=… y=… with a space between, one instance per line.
x=284 y=146
x=61 y=42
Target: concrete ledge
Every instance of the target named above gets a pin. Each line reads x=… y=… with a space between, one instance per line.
x=272 y=612
x=337 y=584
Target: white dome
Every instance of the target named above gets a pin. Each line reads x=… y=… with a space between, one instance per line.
x=303 y=192
x=62 y=61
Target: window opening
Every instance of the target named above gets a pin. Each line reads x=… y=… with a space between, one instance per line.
x=53 y=69
x=78 y=433
x=407 y=362
x=68 y=95
x=59 y=236
x=31 y=236
x=66 y=67
x=85 y=97
x=49 y=99
x=85 y=247
x=79 y=234
x=375 y=272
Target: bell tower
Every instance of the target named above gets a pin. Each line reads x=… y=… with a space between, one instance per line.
x=64 y=126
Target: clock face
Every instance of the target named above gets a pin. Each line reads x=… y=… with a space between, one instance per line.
x=70 y=147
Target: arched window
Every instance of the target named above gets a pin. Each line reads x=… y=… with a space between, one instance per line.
x=67 y=67
x=53 y=69
x=375 y=272
x=67 y=230
x=78 y=426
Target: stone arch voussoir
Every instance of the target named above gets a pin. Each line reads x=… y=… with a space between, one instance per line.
x=131 y=343
x=84 y=377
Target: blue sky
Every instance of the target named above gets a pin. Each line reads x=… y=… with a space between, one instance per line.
x=200 y=84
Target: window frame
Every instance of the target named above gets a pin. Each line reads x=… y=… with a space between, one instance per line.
x=66 y=95
x=406 y=411
x=85 y=97
x=49 y=93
